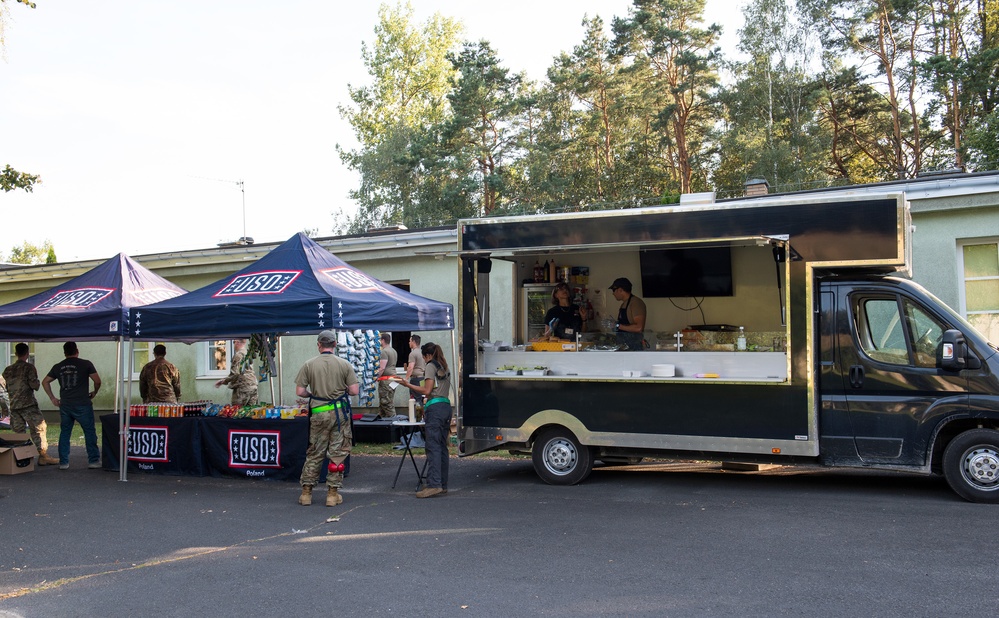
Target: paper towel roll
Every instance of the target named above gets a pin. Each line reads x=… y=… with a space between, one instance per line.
x=412 y=411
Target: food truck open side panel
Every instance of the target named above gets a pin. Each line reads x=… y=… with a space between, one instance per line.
x=761 y=406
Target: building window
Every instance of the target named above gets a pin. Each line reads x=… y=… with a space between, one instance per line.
x=12 y=356
x=142 y=353
x=981 y=288
x=140 y=356
x=213 y=362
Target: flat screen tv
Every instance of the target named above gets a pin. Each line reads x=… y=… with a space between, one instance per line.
x=686 y=272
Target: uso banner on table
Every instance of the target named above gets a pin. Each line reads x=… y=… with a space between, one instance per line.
x=155 y=445
x=254 y=448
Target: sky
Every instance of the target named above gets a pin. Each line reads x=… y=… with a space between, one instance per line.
x=143 y=118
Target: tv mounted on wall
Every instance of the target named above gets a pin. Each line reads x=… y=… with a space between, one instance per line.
x=686 y=272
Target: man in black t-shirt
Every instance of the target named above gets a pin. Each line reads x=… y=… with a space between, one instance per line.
x=74 y=375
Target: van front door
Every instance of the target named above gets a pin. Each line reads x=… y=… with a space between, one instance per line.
x=893 y=386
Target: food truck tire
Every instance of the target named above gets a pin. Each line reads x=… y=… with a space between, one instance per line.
x=559 y=458
x=971 y=465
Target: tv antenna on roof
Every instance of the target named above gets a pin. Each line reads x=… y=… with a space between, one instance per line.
x=244 y=239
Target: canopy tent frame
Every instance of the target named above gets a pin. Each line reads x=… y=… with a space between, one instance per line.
x=298 y=288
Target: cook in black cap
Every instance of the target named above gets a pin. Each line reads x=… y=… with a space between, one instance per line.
x=631 y=315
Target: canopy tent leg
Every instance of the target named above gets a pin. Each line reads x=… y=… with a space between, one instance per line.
x=126 y=419
x=118 y=377
x=280 y=372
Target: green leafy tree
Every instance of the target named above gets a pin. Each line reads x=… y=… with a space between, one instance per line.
x=11 y=179
x=581 y=124
x=477 y=145
x=770 y=127
x=963 y=69
x=855 y=118
x=28 y=253
x=676 y=59
x=410 y=81
x=889 y=36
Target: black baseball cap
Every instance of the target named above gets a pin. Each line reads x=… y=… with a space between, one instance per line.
x=623 y=283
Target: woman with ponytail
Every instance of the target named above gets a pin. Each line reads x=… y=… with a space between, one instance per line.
x=437 y=416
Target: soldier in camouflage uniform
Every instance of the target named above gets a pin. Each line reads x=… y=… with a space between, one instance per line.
x=159 y=380
x=4 y=399
x=21 y=381
x=327 y=381
x=243 y=383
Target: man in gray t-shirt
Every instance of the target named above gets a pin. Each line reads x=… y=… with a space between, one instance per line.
x=415 y=366
x=387 y=361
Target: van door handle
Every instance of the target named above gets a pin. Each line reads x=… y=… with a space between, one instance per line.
x=856 y=376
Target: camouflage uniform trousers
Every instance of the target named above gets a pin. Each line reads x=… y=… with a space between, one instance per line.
x=244 y=395
x=386 y=400
x=326 y=440
x=30 y=417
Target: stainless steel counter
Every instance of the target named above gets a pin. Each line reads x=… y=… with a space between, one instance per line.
x=729 y=366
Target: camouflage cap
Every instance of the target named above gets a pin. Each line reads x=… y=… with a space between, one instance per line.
x=327 y=336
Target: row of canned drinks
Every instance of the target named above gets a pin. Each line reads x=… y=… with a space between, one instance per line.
x=169 y=410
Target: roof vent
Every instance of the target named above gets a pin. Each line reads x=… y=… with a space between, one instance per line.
x=693 y=199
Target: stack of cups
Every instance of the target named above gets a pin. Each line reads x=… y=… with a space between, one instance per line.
x=412 y=411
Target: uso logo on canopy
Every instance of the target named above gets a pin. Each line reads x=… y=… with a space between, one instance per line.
x=74 y=299
x=351 y=279
x=268 y=282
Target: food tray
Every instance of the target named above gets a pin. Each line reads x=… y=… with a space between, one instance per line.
x=534 y=372
x=506 y=372
x=553 y=346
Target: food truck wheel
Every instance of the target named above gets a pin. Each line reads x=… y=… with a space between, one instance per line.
x=971 y=465
x=559 y=458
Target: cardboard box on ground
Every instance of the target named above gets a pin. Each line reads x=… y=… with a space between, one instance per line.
x=17 y=453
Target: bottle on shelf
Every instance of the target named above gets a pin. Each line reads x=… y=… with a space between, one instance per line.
x=544 y=273
x=552 y=272
x=740 y=343
x=538 y=276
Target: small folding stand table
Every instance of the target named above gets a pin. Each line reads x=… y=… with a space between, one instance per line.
x=407 y=438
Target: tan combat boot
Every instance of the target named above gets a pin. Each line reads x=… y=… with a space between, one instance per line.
x=45 y=460
x=333 y=497
x=306 y=498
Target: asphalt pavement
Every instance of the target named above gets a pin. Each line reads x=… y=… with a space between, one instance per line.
x=649 y=540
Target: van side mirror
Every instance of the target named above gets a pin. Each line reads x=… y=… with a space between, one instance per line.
x=953 y=351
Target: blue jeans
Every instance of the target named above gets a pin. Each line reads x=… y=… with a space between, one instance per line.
x=436 y=431
x=84 y=414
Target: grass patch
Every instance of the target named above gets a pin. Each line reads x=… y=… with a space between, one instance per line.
x=76 y=438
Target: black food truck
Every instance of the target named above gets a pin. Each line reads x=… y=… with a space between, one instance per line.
x=777 y=331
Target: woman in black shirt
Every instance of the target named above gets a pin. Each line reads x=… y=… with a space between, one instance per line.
x=564 y=320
